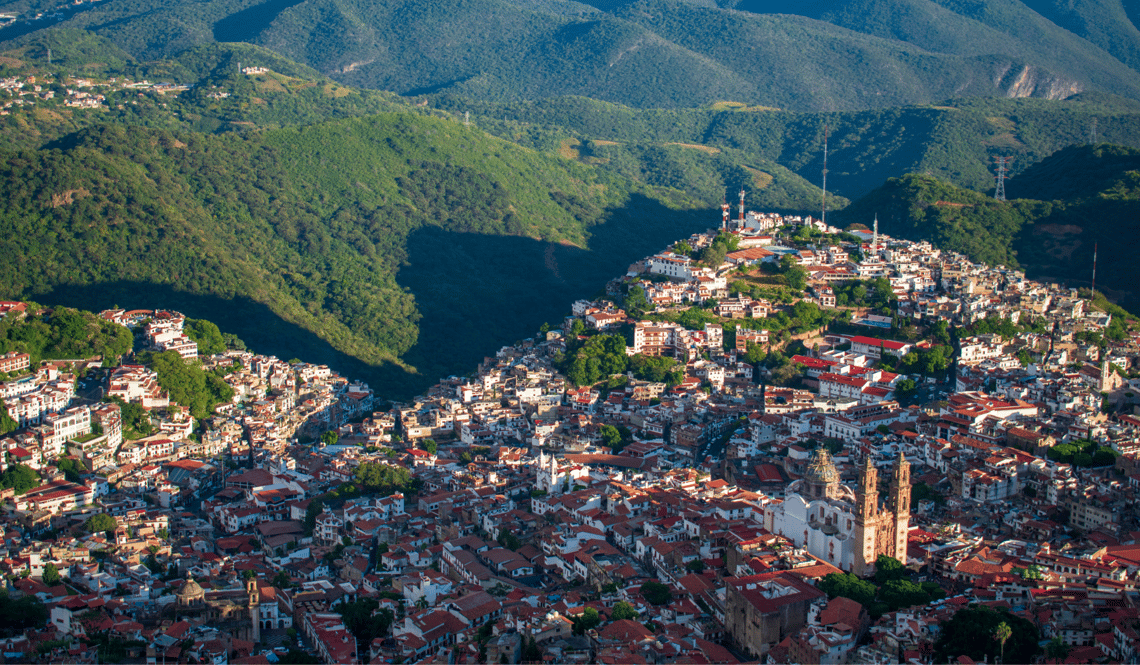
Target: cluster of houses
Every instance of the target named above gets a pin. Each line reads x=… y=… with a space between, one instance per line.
x=684 y=520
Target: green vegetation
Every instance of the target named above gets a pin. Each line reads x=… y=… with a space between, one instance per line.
x=891 y=593
x=362 y=618
x=656 y=593
x=71 y=468
x=136 y=419
x=587 y=620
x=587 y=361
x=210 y=340
x=101 y=522
x=972 y=632
x=1084 y=453
x=21 y=478
x=189 y=385
x=651 y=53
x=330 y=241
x=64 y=334
x=18 y=616
x=623 y=610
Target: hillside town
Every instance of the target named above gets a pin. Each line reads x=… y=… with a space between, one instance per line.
x=776 y=441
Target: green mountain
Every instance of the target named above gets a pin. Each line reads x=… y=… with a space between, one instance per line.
x=955 y=140
x=396 y=246
x=822 y=56
x=1060 y=209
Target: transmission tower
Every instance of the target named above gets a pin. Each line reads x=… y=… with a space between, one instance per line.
x=724 y=211
x=823 y=209
x=1002 y=163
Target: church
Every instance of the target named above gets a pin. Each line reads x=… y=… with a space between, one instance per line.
x=845 y=527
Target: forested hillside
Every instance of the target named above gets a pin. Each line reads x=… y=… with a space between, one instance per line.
x=334 y=241
x=818 y=56
x=954 y=141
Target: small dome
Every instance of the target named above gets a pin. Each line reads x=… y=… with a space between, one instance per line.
x=821 y=469
x=191 y=589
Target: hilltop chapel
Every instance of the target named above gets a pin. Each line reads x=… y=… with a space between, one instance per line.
x=844 y=527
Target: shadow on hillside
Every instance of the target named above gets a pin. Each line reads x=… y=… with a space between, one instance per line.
x=243 y=26
x=477 y=293
x=259 y=327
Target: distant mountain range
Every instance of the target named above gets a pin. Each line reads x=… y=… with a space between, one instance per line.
x=821 y=55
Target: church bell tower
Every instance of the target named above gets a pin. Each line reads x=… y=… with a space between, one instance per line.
x=866 y=518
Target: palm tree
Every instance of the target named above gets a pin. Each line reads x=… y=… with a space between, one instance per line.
x=1001 y=634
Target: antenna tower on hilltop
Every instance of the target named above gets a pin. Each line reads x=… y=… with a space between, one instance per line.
x=875 y=236
x=1002 y=163
x=742 y=206
x=823 y=210
x=724 y=211
x=1093 y=295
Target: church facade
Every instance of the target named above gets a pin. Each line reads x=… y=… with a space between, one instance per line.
x=846 y=527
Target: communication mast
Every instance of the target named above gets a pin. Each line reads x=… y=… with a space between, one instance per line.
x=742 y=206
x=1094 y=270
x=823 y=210
x=724 y=211
x=875 y=236
x=1002 y=163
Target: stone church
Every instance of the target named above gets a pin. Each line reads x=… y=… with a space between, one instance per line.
x=846 y=527
x=232 y=611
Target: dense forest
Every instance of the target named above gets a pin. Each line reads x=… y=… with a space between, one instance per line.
x=314 y=241
x=655 y=53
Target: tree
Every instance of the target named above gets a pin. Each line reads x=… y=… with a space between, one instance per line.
x=531 y=652
x=848 y=586
x=624 y=610
x=509 y=540
x=21 y=478
x=1057 y=650
x=695 y=566
x=330 y=438
x=898 y=594
x=636 y=303
x=206 y=334
x=18 y=616
x=101 y=522
x=430 y=446
x=71 y=468
x=887 y=569
x=51 y=575
x=966 y=632
x=1001 y=634
x=796 y=277
x=7 y=423
x=282 y=580
x=656 y=593
x=365 y=620
x=587 y=620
